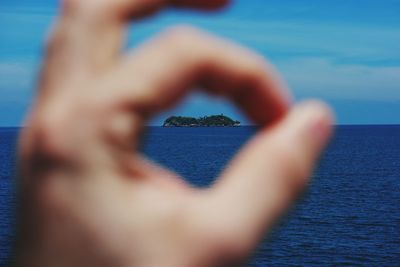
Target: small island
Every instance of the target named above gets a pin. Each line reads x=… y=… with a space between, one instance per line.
x=207 y=121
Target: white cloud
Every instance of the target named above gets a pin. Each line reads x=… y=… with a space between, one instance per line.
x=322 y=78
x=329 y=59
x=16 y=77
x=357 y=43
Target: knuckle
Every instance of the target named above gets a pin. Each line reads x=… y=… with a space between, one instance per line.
x=256 y=65
x=88 y=9
x=49 y=134
x=189 y=41
x=191 y=45
x=50 y=128
x=181 y=37
x=182 y=32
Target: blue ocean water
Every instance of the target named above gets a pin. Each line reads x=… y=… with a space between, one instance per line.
x=350 y=215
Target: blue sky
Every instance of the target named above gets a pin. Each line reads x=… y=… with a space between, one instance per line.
x=345 y=52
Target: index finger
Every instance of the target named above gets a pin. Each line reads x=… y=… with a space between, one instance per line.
x=157 y=75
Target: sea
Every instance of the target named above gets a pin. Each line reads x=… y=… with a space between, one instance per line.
x=349 y=216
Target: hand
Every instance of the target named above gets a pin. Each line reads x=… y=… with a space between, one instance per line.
x=88 y=198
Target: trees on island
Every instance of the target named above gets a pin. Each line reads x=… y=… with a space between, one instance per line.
x=206 y=121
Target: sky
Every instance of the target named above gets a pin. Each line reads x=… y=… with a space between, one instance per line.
x=345 y=52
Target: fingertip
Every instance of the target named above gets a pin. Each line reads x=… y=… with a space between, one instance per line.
x=319 y=118
x=319 y=107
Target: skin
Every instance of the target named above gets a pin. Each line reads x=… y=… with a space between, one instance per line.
x=88 y=198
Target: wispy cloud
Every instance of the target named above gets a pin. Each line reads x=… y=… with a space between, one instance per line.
x=341 y=41
x=321 y=77
x=332 y=60
x=17 y=79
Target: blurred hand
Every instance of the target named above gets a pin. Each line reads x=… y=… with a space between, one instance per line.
x=88 y=198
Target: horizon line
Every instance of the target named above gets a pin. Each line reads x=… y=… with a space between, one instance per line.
x=245 y=125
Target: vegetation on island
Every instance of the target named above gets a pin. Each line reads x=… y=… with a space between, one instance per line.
x=207 y=121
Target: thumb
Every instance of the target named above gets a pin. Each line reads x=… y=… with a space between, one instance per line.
x=269 y=172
